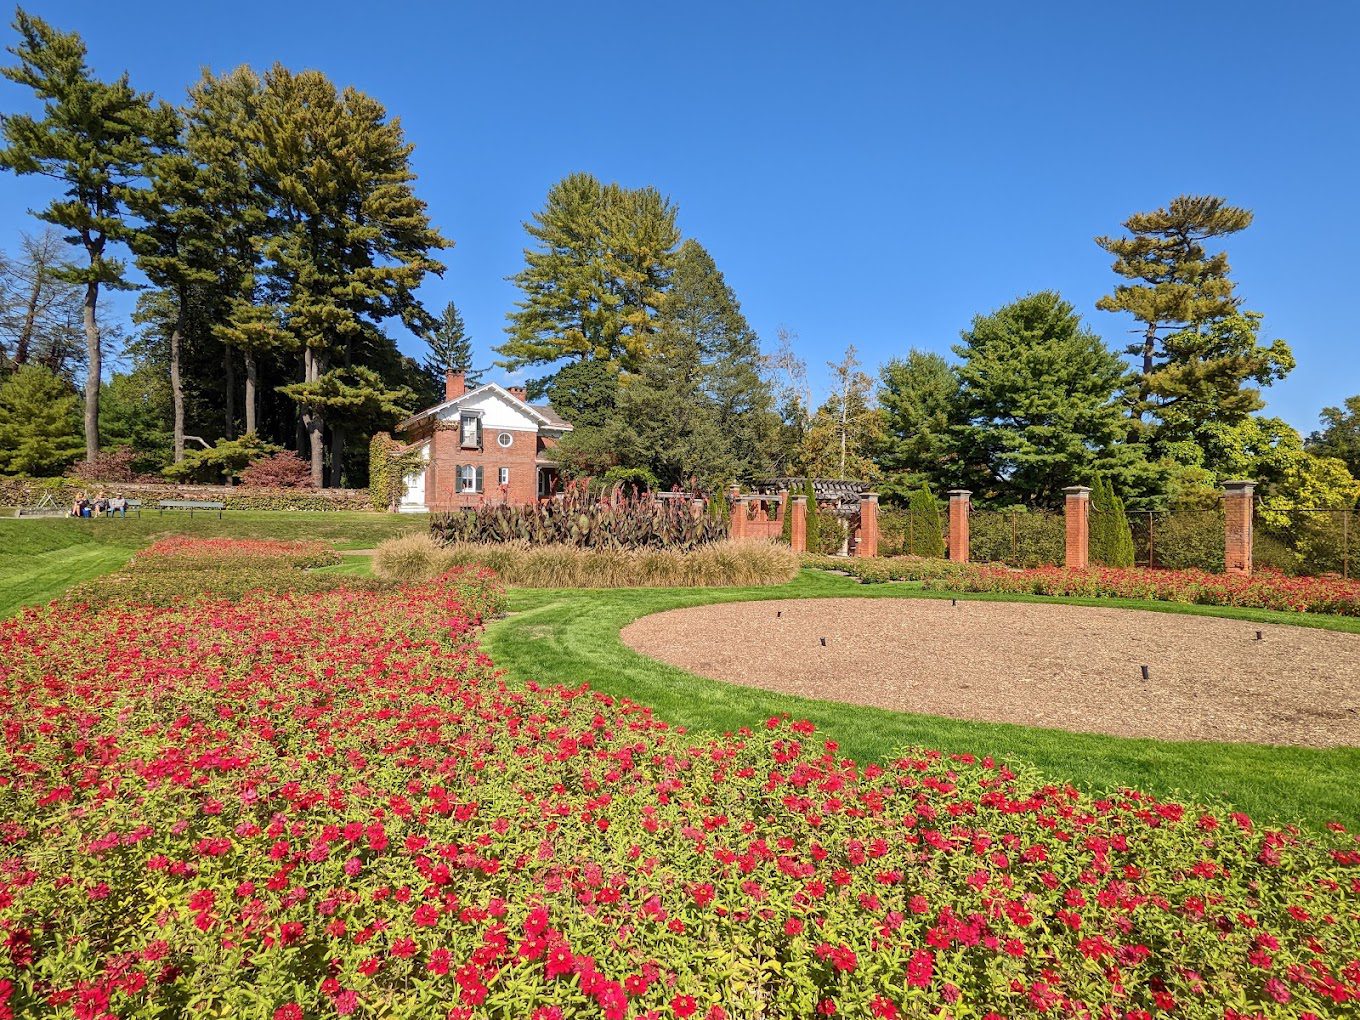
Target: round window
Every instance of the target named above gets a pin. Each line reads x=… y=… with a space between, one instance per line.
x=505 y=439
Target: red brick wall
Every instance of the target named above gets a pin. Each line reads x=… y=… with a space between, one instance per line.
x=958 y=525
x=1237 y=526
x=446 y=454
x=1077 y=522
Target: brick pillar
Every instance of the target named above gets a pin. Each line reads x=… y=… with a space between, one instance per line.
x=868 y=525
x=737 y=528
x=958 y=524
x=1237 y=526
x=798 y=525
x=1077 y=514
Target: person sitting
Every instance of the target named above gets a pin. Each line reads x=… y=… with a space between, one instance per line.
x=75 y=507
x=101 y=507
x=86 y=507
x=118 y=505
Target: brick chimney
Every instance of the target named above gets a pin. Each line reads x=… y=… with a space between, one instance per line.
x=455 y=385
x=519 y=392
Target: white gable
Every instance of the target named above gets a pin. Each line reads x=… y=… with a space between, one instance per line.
x=497 y=410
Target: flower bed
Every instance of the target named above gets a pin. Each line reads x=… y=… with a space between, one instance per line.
x=329 y=805
x=184 y=552
x=1262 y=590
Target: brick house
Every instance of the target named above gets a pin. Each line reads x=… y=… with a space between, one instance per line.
x=487 y=444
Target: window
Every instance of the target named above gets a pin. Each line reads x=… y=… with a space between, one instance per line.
x=470 y=425
x=505 y=476
x=469 y=478
x=505 y=439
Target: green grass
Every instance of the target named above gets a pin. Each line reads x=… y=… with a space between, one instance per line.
x=41 y=557
x=572 y=637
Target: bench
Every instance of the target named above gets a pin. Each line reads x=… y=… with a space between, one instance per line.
x=134 y=506
x=191 y=505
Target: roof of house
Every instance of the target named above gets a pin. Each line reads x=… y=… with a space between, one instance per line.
x=542 y=413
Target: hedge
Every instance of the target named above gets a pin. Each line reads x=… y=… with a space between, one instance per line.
x=21 y=491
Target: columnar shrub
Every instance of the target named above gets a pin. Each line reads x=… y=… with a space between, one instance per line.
x=814 y=519
x=925 y=524
x=1111 y=539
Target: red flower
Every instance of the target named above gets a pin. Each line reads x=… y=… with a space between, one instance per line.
x=920 y=968
x=683 y=1006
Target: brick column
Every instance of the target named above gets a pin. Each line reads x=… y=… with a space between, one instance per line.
x=958 y=524
x=868 y=525
x=798 y=525
x=737 y=525
x=1077 y=514
x=1237 y=526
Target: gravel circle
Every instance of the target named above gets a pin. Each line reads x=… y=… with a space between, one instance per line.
x=1075 y=668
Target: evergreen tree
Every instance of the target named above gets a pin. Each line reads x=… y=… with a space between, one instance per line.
x=1197 y=356
x=39 y=422
x=347 y=240
x=595 y=280
x=814 y=518
x=1110 y=540
x=1040 y=402
x=93 y=138
x=927 y=528
x=137 y=413
x=701 y=318
x=585 y=393
x=920 y=400
x=354 y=400
x=450 y=348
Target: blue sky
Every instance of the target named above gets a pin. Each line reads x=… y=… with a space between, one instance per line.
x=872 y=174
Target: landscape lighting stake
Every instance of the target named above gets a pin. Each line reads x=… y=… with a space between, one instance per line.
x=823 y=642
x=1258 y=635
x=780 y=612
x=1145 y=672
x=953 y=602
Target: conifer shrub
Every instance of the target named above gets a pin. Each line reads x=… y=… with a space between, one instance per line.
x=926 y=534
x=814 y=519
x=1111 y=538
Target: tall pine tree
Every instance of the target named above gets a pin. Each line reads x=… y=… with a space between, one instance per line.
x=450 y=348
x=94 y=139
x=594 y=281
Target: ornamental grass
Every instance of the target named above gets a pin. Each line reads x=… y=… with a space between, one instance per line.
x=331 y=805
x=414 y=558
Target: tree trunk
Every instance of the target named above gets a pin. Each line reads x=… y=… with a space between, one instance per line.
x=252 y=378
x=30 y=319
x=311 y=420
x=176 y=383
x=337 y=455
x=93 y=372
x=229 y=388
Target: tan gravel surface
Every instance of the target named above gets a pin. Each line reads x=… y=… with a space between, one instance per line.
x=1069 y=667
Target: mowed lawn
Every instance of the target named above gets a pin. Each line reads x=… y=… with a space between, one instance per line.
x=41 y=557
x=572 y=637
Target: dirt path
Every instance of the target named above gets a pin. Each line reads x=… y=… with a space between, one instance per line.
x=1069 y=667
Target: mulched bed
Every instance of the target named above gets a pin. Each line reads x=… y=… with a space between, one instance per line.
x=1069 y=667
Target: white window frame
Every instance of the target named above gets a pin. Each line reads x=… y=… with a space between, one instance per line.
x=467 y=479
x=504 y=476
x=470 y=422
x=505 y=440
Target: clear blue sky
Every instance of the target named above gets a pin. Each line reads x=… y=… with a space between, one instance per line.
x=872 y=174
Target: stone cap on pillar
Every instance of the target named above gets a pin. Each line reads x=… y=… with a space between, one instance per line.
x=868 y=497
x=960 y=493
x=799 y=499
x=1079 y=491
x=1240 y=487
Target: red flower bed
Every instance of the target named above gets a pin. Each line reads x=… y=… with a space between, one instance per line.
x=1262 y=590
x=329 y=805
x=182 y=552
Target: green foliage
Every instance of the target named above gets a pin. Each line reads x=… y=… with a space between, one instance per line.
x=222 y=462
x=1111 y=539
x=450 y=348
x=920 y=398
x=1040 y=401
x=135 y=412
x=389 y=462
x=846 y=432
x=926 y=524
x=1339 y=436
x=595 y=280
x=1018 y=537
x=880 y=569
x=577 y=518
x=636 y=478
x=39 y=422
x=585 y=393
x=814 y=518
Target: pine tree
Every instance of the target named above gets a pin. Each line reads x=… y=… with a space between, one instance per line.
x=93 y=138
x=920 y=400
x=1110 y=539
x=39 y=422
x=353 y=400
x=595 y=280
x=701 y=314
x=927 y=534
x=1197 y=355
x=450 y=348
x=1040 y=402
x=347 y=240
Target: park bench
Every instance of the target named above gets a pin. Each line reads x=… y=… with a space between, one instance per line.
x=134 y=506
x=191 y=505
